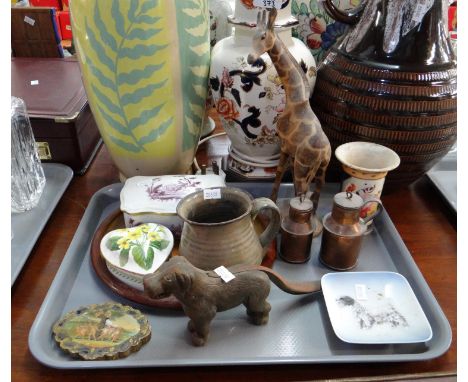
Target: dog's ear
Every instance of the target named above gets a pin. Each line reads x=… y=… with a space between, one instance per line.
x=184 y=281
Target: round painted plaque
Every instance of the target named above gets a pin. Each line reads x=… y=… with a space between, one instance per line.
x=102 y=331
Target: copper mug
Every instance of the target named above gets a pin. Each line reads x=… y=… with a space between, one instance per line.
x=221 y=231
x=344 y=230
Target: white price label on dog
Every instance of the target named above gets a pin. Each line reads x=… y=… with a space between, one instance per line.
x=212 y=193
x=224 y=273
x=278 y=4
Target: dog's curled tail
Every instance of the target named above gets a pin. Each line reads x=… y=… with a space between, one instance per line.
x=285 y=285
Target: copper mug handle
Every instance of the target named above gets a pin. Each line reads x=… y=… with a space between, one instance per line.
x=273 y=226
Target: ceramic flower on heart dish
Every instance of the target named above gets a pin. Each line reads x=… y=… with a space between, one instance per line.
x=131 y=253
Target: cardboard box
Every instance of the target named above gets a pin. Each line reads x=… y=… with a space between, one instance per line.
x=65 y=25
x=46 y=3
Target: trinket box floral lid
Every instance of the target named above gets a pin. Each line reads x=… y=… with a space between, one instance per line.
x=161 y=194
x=138 y=250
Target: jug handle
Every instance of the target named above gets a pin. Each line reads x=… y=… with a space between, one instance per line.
x=337 y=14
x=273 y=227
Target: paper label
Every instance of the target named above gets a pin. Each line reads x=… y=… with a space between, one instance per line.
x=29 y=20
x=224 y=273
x=278 y=4
x=34 y=82
x=361 y=291
x=212 y=193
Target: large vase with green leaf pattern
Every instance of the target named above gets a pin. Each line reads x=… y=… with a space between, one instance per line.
x=145 y=67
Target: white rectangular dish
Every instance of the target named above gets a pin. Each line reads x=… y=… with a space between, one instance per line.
x=374 y=308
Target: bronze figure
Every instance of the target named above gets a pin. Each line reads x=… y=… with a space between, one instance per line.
x=203 y=293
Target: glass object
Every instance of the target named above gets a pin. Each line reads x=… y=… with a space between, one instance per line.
x=27 y=174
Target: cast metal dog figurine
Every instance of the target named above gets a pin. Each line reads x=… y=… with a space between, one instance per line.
x=203 y=293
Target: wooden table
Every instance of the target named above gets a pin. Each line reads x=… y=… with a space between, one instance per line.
x=424 y=221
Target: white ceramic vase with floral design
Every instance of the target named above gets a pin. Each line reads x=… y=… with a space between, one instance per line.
x=249 y=98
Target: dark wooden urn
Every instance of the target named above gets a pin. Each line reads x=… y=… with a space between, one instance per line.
x=391 y=80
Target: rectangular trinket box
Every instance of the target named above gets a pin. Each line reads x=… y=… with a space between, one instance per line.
x=154 y=199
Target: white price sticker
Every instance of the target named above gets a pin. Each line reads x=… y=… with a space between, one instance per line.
x=29 y=20
x=278 y=4
x=361 y=291
x=34 y=82
x=212 y=193
x=224 y=273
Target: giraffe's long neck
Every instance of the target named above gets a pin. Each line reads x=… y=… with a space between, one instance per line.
x=296 y=85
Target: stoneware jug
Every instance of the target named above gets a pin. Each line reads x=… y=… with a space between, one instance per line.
x=391 y=80
x=220 y=231
x=145 y=66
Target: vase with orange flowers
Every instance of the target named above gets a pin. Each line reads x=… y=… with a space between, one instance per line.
x=249 y=98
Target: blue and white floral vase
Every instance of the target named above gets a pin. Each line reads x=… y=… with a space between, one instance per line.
x=249 y=98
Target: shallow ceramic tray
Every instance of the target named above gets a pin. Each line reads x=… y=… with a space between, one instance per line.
x=374 y=308
x=27 y=226
x=299 y=330
x=444 y=177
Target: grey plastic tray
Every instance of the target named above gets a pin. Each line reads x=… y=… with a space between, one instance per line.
x=299 y=330
x=444 y=177
x=27 y=226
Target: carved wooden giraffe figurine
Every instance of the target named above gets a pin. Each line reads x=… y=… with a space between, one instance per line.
x=304 y=145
